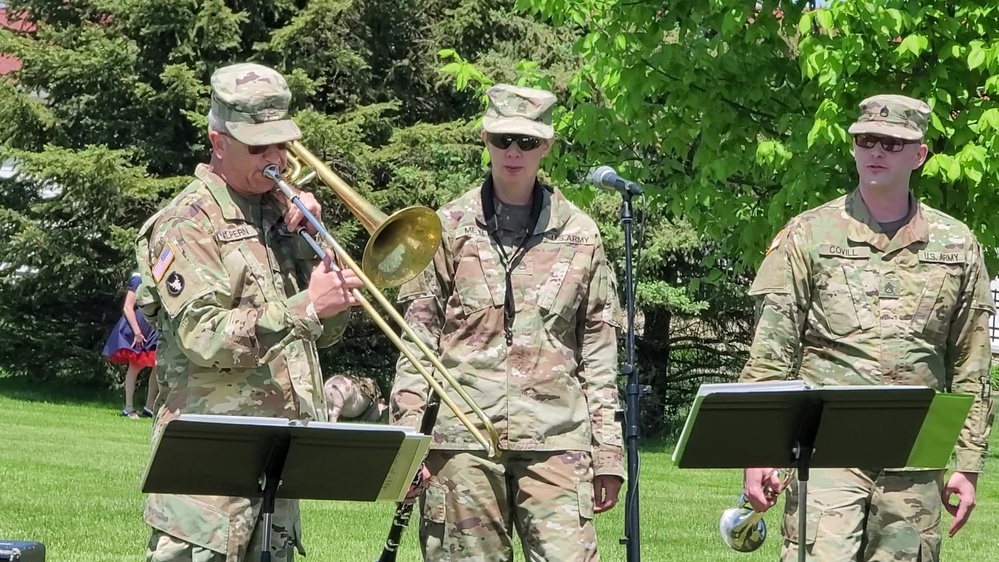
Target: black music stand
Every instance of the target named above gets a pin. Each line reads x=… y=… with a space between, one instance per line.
x=270 y=458
x=829 y=427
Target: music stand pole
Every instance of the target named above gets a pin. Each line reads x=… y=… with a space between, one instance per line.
x=804 y=446
x=269 y=482
x=630 y=417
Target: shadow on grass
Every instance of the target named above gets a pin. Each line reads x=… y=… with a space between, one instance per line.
x=653 y=445
x=57 y=392
x=61 y=392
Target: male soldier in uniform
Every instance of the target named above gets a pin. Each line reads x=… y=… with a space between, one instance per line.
x=354 y=398
x=521 y=304
x=877 y=288
x=241 y=306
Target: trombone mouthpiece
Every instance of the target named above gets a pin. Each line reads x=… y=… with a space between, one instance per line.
x=272 y=172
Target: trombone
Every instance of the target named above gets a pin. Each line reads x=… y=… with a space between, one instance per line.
x=400 y=247
x=743 y=528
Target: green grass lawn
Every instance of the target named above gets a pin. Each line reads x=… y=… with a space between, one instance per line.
x=70 y=469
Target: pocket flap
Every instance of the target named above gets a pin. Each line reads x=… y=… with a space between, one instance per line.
x=584 y=493
x=483 y=277
x=556 y=293
x=190 y=520
x=812 y=517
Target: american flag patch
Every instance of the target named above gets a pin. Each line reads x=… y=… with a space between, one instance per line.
x=163 y=263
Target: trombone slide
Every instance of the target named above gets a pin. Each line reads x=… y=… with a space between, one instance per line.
x=490 y=444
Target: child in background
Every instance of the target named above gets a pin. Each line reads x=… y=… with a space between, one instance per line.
x=133 y=343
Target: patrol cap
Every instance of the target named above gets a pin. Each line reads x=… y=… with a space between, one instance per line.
x=520 y=111
x=892 y=115
x=252 y=101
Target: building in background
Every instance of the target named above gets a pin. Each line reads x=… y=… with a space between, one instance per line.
x=8 y=63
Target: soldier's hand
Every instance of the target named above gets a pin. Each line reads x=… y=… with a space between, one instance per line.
x=761 y=486
x=963 y=484
x=332 y=291
x=419 y=485
x=606 y=489
x=293 y=217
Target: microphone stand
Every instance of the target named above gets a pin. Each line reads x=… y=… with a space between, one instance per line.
x=630 y=416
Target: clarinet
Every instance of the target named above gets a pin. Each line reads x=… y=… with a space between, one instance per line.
x=403 y=511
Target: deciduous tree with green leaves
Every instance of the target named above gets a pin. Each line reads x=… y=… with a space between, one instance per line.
x=734 y=112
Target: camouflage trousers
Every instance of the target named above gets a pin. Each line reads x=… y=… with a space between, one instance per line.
x=472 y=503
x=164 y=547
x=867 y=516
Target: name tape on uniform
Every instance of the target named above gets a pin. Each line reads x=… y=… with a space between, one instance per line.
x=850 y=252
x=941 y=257
x=558 y=238
x=235 y=233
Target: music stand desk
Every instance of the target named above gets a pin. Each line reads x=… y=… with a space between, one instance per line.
x=786 y=424
x=269 y=458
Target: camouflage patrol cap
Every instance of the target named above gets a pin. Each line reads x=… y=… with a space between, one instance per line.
x=892 y=115
x=520 y=111
x=252 y=100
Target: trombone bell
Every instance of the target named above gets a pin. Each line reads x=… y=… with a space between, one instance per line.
x=400 y=246
x=742 y=528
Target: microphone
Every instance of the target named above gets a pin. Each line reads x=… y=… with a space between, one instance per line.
x=605 y=177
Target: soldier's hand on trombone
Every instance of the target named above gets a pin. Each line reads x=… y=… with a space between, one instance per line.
x=293 y=217
x=332 y=290
x=761 y=486
x=419 y=485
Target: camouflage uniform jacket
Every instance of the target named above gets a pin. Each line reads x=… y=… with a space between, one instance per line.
x=552 y=385
x=861 y=308
x=225 y=287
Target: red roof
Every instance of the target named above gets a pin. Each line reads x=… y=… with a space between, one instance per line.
x=8 y=63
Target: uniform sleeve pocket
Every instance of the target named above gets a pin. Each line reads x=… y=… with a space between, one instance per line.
x=181 y=285
x=434 y=503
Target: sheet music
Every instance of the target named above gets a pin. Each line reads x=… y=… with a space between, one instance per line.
x=740 y=387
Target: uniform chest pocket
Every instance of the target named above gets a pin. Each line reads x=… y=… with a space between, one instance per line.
x=479 y=280
x=563 y=284
x=247 y=278
x=844 y=307
x=941 y=289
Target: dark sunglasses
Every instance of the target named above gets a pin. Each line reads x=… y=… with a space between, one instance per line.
x=888 y=143
x=524 y=142
x=260 y=149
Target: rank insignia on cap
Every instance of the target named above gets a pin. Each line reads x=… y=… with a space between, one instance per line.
x=776 y=241
x=175 y=283
x=163 y=263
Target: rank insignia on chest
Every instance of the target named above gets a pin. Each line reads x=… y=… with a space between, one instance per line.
x=891 y=288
